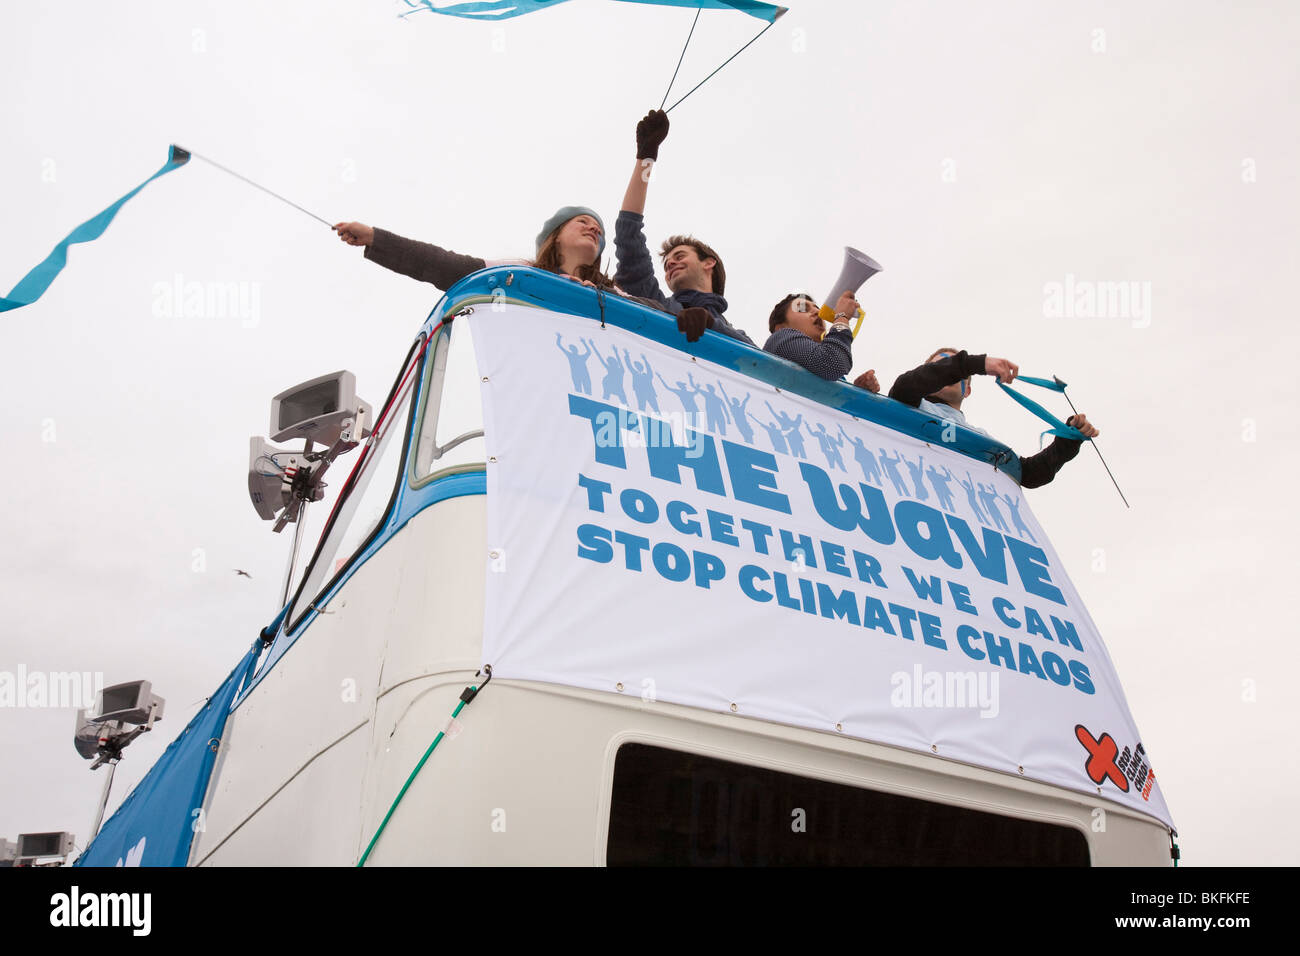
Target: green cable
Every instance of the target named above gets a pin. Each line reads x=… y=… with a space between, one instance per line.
x=409 y=780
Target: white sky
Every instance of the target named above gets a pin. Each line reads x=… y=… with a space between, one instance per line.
x=978 y=151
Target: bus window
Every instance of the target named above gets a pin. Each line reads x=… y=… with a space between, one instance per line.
x=672 y=808
x=450 y=432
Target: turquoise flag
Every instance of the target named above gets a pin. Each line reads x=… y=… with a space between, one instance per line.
x=33 y=285
x=505 y=9
x=1058 y=427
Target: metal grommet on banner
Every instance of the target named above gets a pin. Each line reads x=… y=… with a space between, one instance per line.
x=485 y=378
x=839 y=728
x=492 y=460
x=934 y=748
x=619 y=687
x=1021 y=769
x=733 y=708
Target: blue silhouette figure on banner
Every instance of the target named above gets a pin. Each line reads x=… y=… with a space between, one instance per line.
x=940 y=485
x=830 y=445
x=969 y=485
x=577 y=365
x=739 y=415
x=775 y=434
x=612 y=383
x=989 y=496
x=643 y=382
x=891 y=469
x=685 y=395
x=866 y=460
x=917 y=473
x=714 y=408
x=793 y=437
x=1013 y=505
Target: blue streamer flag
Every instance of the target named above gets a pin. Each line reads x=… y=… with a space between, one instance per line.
x=1058 y=427
x=505 y=9
x=33 y=285
x=155 y=825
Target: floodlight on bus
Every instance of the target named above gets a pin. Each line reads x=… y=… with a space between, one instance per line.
x=131 y=703
x=36 y=846
x=322 y=409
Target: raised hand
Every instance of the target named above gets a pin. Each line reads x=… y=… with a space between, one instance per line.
x=1004 y=369
x=846 y=306
x=1080 y=421
x=650 y=134
x=355 y=233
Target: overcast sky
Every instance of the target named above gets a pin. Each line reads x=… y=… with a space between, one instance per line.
x=980 y=152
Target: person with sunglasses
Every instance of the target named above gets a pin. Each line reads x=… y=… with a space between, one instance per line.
x=943 y=382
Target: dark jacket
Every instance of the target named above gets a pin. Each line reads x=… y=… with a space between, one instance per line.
x=421 y=260
x=635 y=275
x=830 y=358
x=924 y=380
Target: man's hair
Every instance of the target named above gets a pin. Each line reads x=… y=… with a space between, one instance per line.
x=778 y=311
x=931 y=356
x=704 y=252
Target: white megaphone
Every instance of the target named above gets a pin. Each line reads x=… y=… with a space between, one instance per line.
x=858 y=268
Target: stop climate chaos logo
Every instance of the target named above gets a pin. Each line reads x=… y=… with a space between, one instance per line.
x=1126 y=770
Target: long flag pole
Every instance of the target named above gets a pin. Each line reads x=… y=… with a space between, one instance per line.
x=259 y=186
x=1093 y=443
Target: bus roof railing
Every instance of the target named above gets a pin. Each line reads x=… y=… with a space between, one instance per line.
x=533 y=287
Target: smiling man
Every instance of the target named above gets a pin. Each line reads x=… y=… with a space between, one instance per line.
x=693 y=272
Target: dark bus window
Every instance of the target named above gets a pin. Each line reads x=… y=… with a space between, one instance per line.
x=671 y=808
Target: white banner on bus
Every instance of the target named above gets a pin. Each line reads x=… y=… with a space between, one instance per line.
x=671 y=529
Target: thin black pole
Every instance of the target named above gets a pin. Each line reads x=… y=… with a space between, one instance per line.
x=1093 y=443
x=680 y=58
x=724 y=63
x=263 y=188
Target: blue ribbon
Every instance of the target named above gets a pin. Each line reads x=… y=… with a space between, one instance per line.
x=1055 y=385
x=33 y=285
x=505 y=9
x=1058 y=427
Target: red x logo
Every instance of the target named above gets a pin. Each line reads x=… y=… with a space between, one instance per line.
x=1101 y=758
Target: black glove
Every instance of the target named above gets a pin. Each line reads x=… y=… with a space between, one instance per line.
x=693 y=322
x=650 y=133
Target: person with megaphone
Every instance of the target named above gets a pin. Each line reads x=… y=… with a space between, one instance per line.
x=799 y=335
